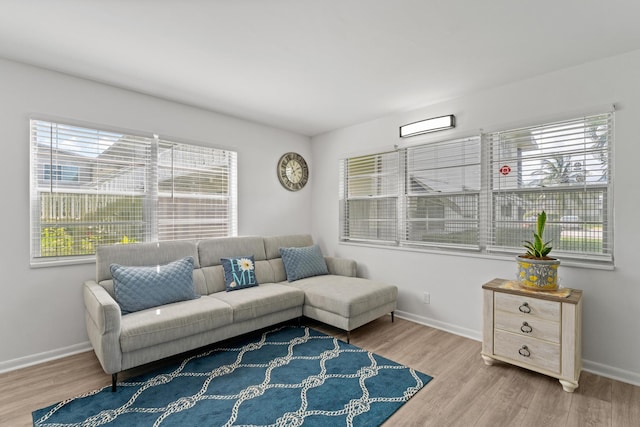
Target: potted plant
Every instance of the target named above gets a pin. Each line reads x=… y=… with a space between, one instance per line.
x=536 y=270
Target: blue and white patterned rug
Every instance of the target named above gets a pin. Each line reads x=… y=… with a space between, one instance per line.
x=288 y=377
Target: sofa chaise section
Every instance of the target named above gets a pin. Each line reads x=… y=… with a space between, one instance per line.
x=339 y=299
x=346 y=302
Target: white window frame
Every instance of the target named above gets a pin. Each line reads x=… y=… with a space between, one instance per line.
x=558 y=167
x=121 y=168
x=579 y=252
x=446 y=176
x=370 y=183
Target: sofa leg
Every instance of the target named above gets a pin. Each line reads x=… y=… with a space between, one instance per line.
x=348 y=337
x=392 y=317
x=299 y=321
x=114 y=381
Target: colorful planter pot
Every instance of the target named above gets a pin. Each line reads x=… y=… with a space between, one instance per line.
x=539 y=274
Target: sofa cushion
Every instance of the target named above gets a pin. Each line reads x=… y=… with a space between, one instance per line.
x=142 y=254
x=345 y=296
x=303 y=262
x=279 y=273
x=261 y=300
x=272 y=244
x=173 y=321
x=239 y=272
x=139 y=288
x=211 y=251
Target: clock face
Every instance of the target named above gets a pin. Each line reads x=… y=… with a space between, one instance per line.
x=293 y=171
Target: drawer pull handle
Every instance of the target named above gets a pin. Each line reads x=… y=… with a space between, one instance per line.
x=524 y=308
x=524 y=351
x=526 y=328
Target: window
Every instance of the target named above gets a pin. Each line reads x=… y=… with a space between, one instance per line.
x=196 y=192
x=92 y=187
x=369 y=198
x=483 y=193
x=563 y=169
x=61 y=173
x=442 y=193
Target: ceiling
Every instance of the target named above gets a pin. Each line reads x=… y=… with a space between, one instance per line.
x=313 y=66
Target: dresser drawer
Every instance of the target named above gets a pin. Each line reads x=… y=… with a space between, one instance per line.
x=523 y=305
x=527 y=351
x=527 y=326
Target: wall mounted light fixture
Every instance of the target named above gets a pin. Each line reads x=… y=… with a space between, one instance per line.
x=428 y=125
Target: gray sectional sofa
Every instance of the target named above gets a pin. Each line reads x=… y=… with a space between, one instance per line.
x=122 y=341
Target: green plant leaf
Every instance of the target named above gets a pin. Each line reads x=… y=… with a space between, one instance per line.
x=542 y=219
x=538 y=248
x=537 y=239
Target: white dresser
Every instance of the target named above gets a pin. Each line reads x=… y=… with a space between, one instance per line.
x=540 y=331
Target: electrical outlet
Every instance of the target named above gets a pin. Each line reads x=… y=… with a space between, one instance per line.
x=426 y=298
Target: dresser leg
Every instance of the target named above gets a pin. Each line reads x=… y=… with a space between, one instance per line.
x=569 y=386
x=487 y=360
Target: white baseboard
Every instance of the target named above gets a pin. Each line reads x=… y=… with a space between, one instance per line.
x=611 y=372
x=448 y=327
x=36 y=359
x=589 y=366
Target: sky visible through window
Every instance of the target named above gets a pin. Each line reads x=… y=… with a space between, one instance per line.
x=574 y=156
x=75 y=139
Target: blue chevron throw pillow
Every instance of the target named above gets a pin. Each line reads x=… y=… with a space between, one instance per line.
x=139 y=288
x=303 y=262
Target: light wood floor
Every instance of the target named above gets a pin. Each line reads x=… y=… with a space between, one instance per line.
x=464 y=391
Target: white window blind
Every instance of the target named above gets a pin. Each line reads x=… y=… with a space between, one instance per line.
x=196 y=196
x=442 y=193
x=369 y=189
x=91 y=187
x=562 y=168
x=484 y=193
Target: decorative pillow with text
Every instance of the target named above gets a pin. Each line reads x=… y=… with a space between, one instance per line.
x=239 y=272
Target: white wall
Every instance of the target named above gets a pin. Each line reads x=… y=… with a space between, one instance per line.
x=41 y=310
x=611 y=298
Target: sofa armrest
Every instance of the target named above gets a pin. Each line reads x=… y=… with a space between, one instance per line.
x=102 y=308
x=341 y=266
x=102 y=317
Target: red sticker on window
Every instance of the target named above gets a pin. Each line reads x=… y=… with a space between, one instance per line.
x=504 y=170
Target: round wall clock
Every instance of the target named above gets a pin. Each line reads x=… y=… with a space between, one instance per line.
x=293 y=171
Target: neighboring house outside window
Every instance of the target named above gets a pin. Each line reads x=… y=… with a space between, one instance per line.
x=563 y=168
x=442 y=188
x=60 y=172
x=91 y=187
